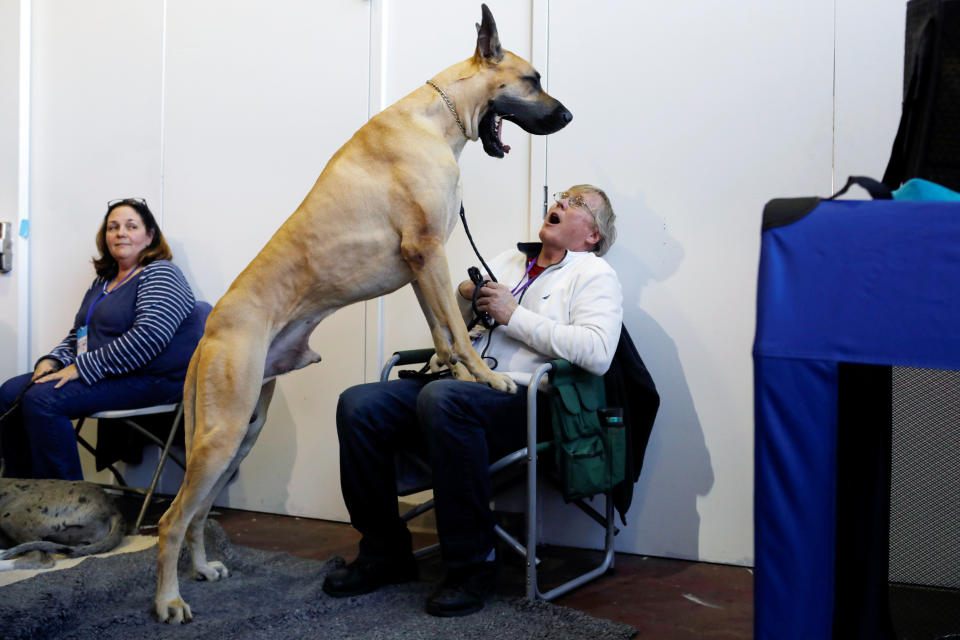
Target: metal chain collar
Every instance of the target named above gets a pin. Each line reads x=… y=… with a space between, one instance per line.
x=450 y=105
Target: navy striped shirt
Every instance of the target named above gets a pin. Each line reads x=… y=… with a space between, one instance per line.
x=133 y=327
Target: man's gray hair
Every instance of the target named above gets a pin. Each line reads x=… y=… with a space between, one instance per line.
x=605 y=219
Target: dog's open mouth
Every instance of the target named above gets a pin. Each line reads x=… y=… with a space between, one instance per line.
x=491 y=128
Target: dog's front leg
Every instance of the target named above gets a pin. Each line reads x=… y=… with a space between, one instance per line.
x=427 y=260
x=441 y=339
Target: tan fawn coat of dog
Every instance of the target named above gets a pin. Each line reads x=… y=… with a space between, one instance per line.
x=376 y=219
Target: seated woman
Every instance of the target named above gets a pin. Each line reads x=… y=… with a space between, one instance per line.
x=129 y=347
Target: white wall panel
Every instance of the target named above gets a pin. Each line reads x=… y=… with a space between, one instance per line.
x=423 y=37
x=259 y=95
x=869 y=86
x=95 y=136
x=11 y=333
x=692 y=116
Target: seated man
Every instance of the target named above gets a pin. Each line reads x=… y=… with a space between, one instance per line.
x=557 y=299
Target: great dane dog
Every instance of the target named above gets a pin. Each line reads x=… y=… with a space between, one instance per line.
x=55 y=516
x=376 y=219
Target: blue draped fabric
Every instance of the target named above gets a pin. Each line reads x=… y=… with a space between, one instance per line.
x=873 y=282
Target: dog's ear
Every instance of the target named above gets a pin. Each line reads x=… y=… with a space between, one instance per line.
x=488 y=40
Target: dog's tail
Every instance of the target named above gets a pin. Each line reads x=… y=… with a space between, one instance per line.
x=108 y=542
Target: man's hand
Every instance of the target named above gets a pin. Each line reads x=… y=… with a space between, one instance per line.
x=62 y=377
x=496 y=299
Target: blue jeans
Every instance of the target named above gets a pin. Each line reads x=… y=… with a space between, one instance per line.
x=459 y=428
x=43 y=445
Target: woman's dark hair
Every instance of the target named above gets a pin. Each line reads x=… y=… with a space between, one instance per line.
x=105 y=265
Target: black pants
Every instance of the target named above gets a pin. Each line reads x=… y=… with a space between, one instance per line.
x=457 y=427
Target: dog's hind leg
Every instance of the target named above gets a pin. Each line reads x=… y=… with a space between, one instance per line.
x=170 y=607
x=196 y=491
x=213 y=571
x=226 y=382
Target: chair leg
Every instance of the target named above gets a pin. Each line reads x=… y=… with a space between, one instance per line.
x=156 y=474
x=89 y=447
x=594 y=515
x=533 y=590
x=512 y=542
x=531 y=557
x=603 y=567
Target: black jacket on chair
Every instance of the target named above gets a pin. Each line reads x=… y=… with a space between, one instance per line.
x=629 y=385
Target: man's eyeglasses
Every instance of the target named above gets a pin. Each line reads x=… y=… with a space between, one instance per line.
x=115 y=203
x=574 y=200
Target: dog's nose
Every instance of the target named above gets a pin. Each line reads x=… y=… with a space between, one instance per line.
x=566 y=116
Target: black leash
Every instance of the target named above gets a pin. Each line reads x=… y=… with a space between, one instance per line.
x=17 y=401
x=482 y=317
x=463 y=216
x=13 y=407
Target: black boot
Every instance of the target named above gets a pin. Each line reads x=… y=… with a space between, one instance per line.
x=366 y=574
x=463 y=591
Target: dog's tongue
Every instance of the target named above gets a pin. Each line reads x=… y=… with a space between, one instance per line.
x=505 y=147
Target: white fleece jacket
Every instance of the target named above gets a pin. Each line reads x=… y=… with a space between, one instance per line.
x=572 y=310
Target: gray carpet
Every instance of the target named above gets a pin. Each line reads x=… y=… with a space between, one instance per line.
x=268 y=595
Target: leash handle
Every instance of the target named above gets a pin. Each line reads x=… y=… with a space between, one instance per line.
x=485 y=318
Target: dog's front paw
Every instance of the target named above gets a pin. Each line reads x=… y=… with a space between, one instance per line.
x=435 y=364
x=211 y=572
x=501 y=382
x=174 y=612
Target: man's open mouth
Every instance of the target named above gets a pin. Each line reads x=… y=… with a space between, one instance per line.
x=491 y=128
x=553 y=218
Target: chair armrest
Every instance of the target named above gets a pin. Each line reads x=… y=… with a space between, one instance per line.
x=400 y=358
x=562 y=366
x=413 y=356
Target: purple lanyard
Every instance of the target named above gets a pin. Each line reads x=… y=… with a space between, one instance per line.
x=104 y=294
x=518 y=289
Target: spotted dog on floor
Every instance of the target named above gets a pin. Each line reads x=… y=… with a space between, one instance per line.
x=43 y=517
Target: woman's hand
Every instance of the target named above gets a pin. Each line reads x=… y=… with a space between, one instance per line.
x=62 y=377
x=496 y=299
x=45 y=366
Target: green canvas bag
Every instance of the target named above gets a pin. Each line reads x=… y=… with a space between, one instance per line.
x=589 y=440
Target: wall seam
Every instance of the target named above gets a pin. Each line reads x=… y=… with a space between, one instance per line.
x=163 y=110
x=22 y=263
x=833 y=114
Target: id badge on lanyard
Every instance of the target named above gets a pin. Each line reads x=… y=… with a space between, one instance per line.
x=84 y=330
x=82 y=340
